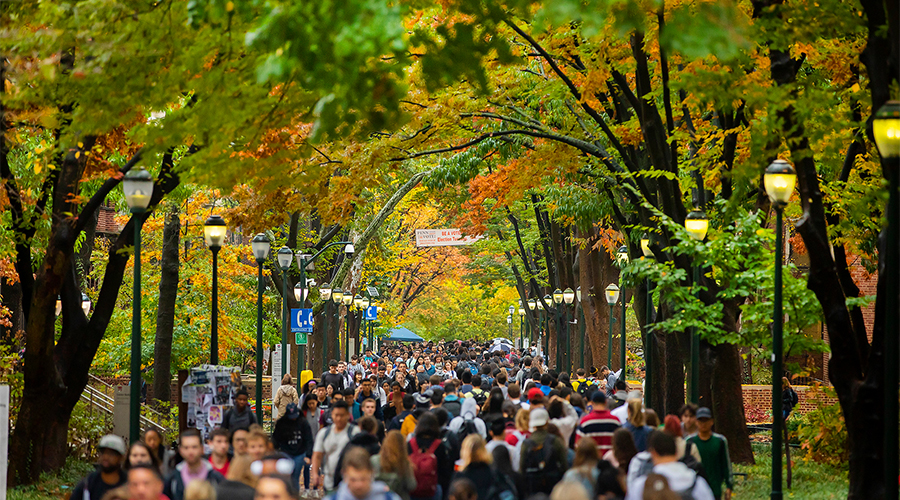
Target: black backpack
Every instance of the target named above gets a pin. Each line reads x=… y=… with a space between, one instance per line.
x=692 y=462
x=541 y=473
x=501 y=488
x=480 y=396
x=468 y=427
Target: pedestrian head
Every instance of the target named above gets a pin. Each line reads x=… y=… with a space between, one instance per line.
x=112 y=452
x=140 y=454
x=604 y=371
x=538 y=418
x=368 y=425
x=238 y=440
x=569 y=490
x=199 y=490
x=610 y=480
x=651 y=418
x=662 y=447
x=340 y=415
x=704 y=420
x=357 y=472
x=586 y=453
x=286 y=379
x=394 y=455
x=239 y=470
x=144 y=482
x=514 y=391
x=257 y=444
x=623 y=447
x=368 y=407
x=274 y=487
x=463 y=489
x=427 y=426
x=155 y=441
x=672 y=426
x=240 y=400
x=190 y=446
x=636 y=412
x=473 y=451
x=522 y=420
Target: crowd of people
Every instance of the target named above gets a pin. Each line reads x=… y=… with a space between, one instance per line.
x=432 y=421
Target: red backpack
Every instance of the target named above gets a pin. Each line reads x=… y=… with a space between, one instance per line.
x=425 y=466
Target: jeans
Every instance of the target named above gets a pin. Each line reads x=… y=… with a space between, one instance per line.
x=299 y=468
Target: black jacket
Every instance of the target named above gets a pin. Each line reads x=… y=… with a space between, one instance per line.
x=293 y=437
x=234 y=420
x=365 y=441
x=174 y=487
x=481 y=476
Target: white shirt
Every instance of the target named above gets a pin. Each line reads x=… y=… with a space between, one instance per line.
x=331 y=447
x=513 y=456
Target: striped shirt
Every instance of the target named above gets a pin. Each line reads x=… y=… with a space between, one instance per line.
x=600 y=426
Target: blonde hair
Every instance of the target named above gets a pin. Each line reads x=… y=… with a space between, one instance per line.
x=200 y=490
x=522 y=420
x=569 y=490
x=239 y=470
x=635 y=412
x=474 y=451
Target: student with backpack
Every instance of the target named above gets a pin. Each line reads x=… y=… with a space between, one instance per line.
x=476 y=467
x=430 y=460
x=452 y=401
x=409 y=403
x=330 y=442
x=479 y=394
x=714 y=454
x=468 y=422
x=542 y=458
x=682 y=480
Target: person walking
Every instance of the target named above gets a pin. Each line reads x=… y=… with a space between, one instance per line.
x=599 y=424
x=240 y=416
x=392 y=465
x=109 y=474
x=359 y=482
x=193 y=468
x=293 y=437
x=682 y=480
x=542 y=457
x=636 y=424
x=330 y=442
x=714 y=455
x=285 y=395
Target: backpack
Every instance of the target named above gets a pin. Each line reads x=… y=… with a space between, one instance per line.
x=453 y=407
x=583 y=387
x=501 y=488
x=425 y=466
x=480 y=396
x=474 y=370
x=688 y=494
x=468 y=427
x=541 y=474
x=409 y=425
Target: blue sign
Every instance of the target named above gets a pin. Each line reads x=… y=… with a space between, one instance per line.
x=372 y=313
x=301 y=320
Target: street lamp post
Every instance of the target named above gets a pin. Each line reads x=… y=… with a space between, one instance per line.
x=138 y=188
x=581 y=325
x=304 y=261
x=214 y=234
x=568 y=298
x=779 y=182
x=337 y=296
x=300 y=294
x=347 y=300
x=366 y=302
x=697 y=224
x=648 y=355
x=521 y=325
x=612 y=296
x=886 y=129
x=325 y=295
x=548 y=299
x=85 y=304
x=357 y=303
x=284 y=256
x=557 y=301
x=260 y=245
x=512 y=310
x=532 y=305
x=622 y=260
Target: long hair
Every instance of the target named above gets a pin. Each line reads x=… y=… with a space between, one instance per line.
x=239 y=470
x=286 y=379
x=522 y=420
x=635 y=413
x=473 y=451
x=394 y=457
x=586 y=453
x=154 y=460
x=623 y=447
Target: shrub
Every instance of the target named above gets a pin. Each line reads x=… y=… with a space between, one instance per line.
x=822 y=432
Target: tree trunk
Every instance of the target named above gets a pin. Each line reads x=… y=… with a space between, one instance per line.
x=165 y=314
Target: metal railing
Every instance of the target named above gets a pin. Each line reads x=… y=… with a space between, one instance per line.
x=103 y=400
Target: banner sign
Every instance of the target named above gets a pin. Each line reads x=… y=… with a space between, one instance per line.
x=301 y=320
x=442 y=238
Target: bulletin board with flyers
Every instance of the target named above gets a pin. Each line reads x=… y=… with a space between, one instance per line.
x=209 y=392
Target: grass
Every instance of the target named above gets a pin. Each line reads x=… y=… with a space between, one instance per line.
x=810 y=479
x=53 y=486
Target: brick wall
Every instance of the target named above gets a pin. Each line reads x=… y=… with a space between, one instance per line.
x=106 y=221
x=760 y=396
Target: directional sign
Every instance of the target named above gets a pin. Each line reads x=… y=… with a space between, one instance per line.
x=301 y=320
x=300 y=338
x=372 y=313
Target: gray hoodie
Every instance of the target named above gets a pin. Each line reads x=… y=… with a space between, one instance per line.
x=680 y=477
x=469 y=411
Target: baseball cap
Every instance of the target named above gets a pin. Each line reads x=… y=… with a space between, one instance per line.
x=535 y=393
x=422 y=399
x=112 y=442
x=538 y=418
x=704 y=412
x=598 y=397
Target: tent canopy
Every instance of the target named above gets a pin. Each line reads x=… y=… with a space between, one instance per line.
x=402 y=334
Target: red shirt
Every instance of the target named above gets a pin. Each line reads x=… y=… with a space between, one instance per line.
x=223 y=470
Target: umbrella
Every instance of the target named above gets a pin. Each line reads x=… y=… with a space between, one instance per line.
x=502 y=340
x=501 y=347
